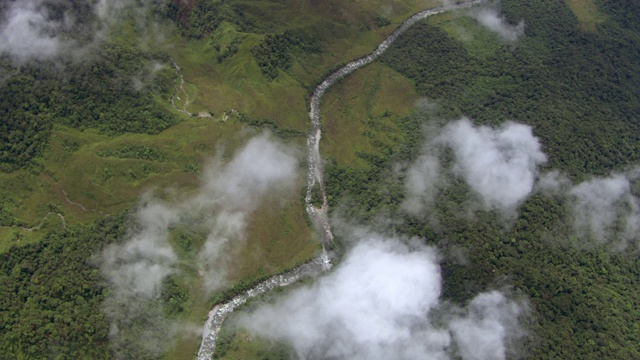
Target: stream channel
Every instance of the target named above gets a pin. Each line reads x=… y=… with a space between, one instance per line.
x=319 y=216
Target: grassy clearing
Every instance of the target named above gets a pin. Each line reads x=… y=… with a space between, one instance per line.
x=111 y=183
x=476 y=39
x=587 y=13
x=242 y=345
x=236 y=82
x=104 y=174
x=108 y=184
x=360 y=113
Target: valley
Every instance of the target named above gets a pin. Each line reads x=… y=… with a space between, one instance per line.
x=232 y=155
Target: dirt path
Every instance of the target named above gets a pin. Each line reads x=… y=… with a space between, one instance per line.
x=65 y=197
x=67 y=200
x=37 y=227
x=180 y=90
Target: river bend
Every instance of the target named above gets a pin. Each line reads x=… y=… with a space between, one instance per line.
x=318 y=215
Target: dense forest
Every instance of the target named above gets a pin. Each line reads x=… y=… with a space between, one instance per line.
x=52 y=294
x=113 y=93
x=581 y=96
x=275 y=51
x=110 y=87
x=579 y=90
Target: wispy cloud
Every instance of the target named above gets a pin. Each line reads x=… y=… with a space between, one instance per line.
x=262 y=168
x=501 y=165
x=601 y=210
x=48 y=29
x=606 y=210
x=493 y=21
x=28 y=32
x=137 y=268
x=422 y=183
x=489 y=322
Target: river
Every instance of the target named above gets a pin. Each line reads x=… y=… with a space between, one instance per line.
x=318 y=215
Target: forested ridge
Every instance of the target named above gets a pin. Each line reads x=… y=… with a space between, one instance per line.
x=101 y=94
x=573 y=87
x=580 y=93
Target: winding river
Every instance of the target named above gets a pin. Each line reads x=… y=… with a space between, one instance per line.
x=318 y=215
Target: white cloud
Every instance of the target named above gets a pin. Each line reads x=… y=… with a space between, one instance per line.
x=27 y=33
x=377 y=305
x=605 y=209
x=138 y=266
x=553 y=182
x=490 y=19
x=262 y=168
x=491 y=318
x=501 y=165
x=229 y=194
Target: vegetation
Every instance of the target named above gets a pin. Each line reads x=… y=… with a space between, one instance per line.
x=134 y=151
x=240 y=345
x=573 y=77
x=113 y=94
x=200 y=18
x=51 y=295
x=270 y=125
x=274 y=52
